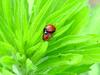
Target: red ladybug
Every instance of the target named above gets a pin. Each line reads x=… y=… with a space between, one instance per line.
x=46 y=36
x=47 y=32
x=50 y=28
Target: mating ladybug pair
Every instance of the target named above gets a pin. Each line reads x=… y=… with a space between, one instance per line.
x=48 y=31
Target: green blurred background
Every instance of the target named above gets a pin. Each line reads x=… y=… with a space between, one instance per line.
x=95 y=69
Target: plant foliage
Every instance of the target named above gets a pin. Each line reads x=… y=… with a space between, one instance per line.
x=74 y=47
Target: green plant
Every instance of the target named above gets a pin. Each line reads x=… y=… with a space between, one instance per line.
x=72 y=49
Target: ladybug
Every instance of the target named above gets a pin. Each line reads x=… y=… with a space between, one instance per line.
x=47 y=36
x=48 y=31
x=50 y=28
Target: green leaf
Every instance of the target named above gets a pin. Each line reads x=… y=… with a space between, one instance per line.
x=84 y=45
x=70 y=50
x=7 y=62
x=41 y=19
x=6 y=22
x=21 y=23
x=32 y=49
x=6 y=49
x=62 y=63
x=30 y=67
x=6 y=72
x=74 y=41
x=40 y=52
x=93 y=26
